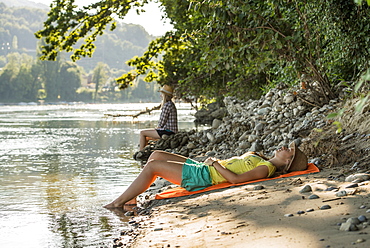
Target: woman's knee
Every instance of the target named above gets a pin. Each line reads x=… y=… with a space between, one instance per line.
x=156 y=155
x=151 y=166
x=143 y=133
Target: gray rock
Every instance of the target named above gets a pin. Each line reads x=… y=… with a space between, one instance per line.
x=211 y=137
x=362 y=218
x=138 y=155
x=347 y=137
x=211 y=154
x=353 y=185
x=360 y=240
x=216 y=123
x=298 y=141
x=355 y=166
x=219 y=114
x=244 y=145
x=252 y=138
x=288 y=98
x=324 y=207
x=185 y=140
x=360 y=176
x=313 y=197
x=244 y=136
x=353 y=220
x=259 y=127
x=348 y=227
x=341 y=193
x=174 y=143
x=305 y=189
x=316 y=161
x=332 y=188
x=191 y=146
x=256 y=146
x=264 y=111
x=258 y=187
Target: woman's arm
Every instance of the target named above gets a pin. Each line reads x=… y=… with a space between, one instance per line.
x=259 y=172
x=163 y=118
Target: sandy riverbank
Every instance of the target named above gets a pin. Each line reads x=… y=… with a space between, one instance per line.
x=248 y=217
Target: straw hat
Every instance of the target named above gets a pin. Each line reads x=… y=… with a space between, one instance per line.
x=299 y=160
x=166 y=89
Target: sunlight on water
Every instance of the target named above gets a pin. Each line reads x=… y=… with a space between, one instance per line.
x=60 y=164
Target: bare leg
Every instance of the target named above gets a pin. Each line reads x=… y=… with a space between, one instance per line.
x=162 y=155
x=171 y=171
x=151 y=133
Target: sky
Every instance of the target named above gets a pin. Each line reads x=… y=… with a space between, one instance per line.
x=150 y=20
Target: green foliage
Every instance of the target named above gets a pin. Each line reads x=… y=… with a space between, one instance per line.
x=24 y=78
x=232 y=47
x=99 y=77
x=41 y=94
x=361 y=1
x=70 y=81
x=227 y=48
x=359 y=106
x=17 y=79
x=67 y=24
x=85 y=95
x=365 y=78
x=34 y=79
x=147 y=64
x=61 y=80
x=339 y=126
x=18 y=25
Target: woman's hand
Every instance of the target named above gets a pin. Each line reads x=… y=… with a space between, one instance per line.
x=209 y=161
x=259 y=172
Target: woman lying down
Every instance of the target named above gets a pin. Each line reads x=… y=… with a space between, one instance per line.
x=193 y=175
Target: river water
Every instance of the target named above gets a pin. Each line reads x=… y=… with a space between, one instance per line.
x=59 y=164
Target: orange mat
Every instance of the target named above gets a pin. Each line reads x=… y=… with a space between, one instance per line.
x=179 y=191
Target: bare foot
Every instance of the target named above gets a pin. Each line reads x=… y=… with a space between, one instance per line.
x=113 y=205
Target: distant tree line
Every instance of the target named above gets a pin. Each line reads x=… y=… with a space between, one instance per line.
x=27 y=79
x=24 y=78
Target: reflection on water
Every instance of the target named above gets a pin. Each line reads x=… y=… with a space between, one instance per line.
x=60 y=164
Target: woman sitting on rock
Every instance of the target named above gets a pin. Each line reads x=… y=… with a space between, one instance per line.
x=167 y=123
x=193 y=175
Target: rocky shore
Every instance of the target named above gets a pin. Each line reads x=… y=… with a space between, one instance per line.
x=276 y=213
x=276 y=119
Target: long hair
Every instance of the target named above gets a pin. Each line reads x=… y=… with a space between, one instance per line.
x=165 y=99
